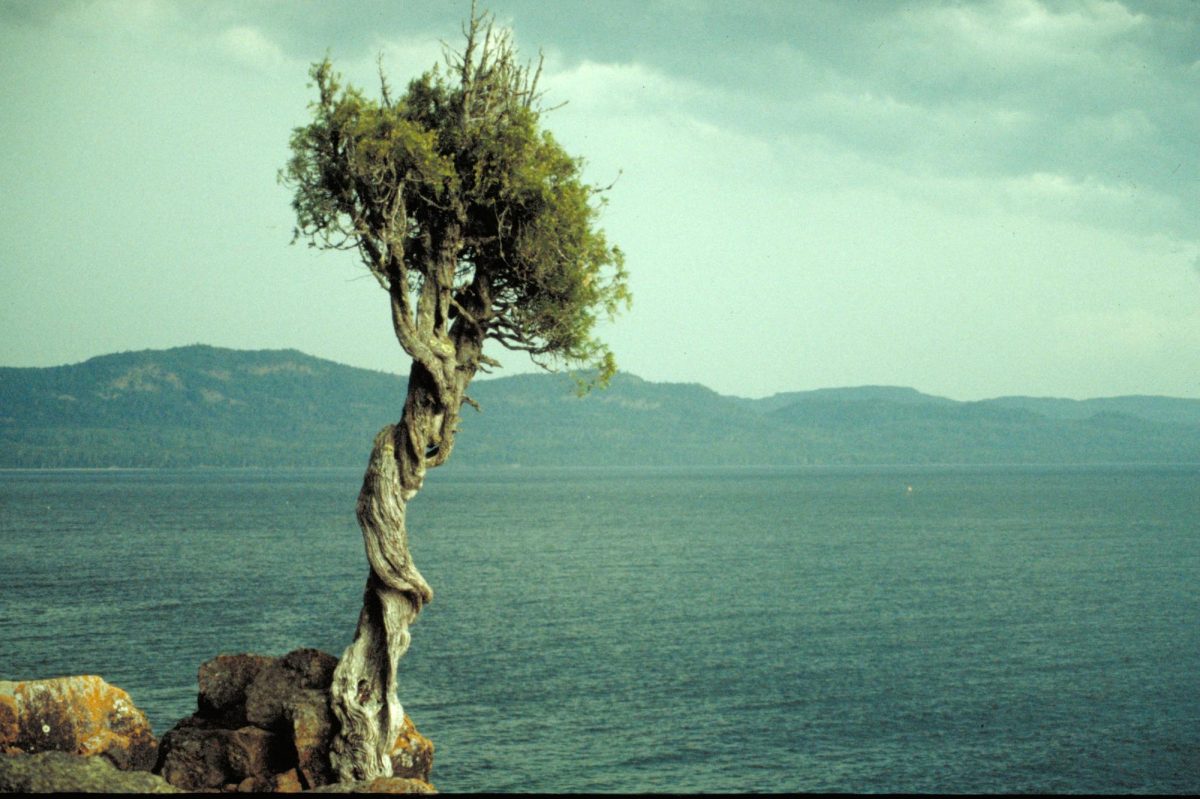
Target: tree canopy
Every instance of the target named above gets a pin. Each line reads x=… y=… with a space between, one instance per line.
x=474 y=219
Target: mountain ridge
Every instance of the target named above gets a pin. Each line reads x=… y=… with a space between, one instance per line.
x=204 y=405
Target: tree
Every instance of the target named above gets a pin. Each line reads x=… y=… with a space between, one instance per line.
x=479 y=227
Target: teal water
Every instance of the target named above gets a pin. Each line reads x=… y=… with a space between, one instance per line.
x=997 y=630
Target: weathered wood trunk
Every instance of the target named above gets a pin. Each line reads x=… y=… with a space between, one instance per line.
x=363 y=694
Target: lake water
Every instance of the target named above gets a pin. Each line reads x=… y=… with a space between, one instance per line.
x=991 y=629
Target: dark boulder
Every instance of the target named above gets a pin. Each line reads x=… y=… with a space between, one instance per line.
x=223 y=682
x=264 y=724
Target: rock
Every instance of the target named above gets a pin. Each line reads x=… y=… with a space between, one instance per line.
x=79 y=715
x=192 y=756
x=287 y=782
x=198 y=755
x=253 y=753
x=379 y=785
x=279 y=681
x=223 y=682
x=312 y=725
x=412 y=756
x=313 y=667
x=62 y=772
x=264 y=724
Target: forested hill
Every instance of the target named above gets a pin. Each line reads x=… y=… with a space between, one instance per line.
x=203 y=406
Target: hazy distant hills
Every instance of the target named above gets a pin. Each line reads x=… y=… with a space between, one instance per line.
x=199 y=405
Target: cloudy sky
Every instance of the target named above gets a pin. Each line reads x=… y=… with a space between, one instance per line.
x=971 y=198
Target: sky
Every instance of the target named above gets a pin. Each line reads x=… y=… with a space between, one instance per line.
x=975 y=199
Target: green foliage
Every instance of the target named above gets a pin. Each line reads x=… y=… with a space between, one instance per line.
x=476 y=220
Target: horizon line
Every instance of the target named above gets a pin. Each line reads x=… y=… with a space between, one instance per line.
x=487 y=377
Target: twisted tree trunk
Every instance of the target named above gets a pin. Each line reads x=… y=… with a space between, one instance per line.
x=363 y=694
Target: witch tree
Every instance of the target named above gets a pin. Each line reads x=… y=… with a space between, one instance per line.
x=479 y=227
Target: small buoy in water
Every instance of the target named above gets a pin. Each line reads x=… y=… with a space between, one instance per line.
x=909 y=491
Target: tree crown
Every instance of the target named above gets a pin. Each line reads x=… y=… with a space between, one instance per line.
x=474 y=219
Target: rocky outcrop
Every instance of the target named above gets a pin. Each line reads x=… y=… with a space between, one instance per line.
x=76 y=715
x=378 y=785
x=62 y=772
x=264 y=724
x=261 y=724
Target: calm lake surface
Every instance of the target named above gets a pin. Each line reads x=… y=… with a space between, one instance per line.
x=991 y=629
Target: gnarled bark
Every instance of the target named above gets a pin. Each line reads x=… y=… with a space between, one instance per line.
x=363 y=694
x=363 y=691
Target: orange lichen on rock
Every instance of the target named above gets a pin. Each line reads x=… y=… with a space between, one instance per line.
x=81 y=715
x=287 y=782
x=412 y=756
x=398 y=785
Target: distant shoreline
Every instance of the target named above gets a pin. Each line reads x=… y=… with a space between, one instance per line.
x=209 y=408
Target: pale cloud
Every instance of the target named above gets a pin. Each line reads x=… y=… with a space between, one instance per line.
x=956 y=155
x=1029 y=27
x=1091 y=201
x=1014 y=39
x=1120 y=126
x=249 y=46
x=1011 y=87
x=614 y=88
